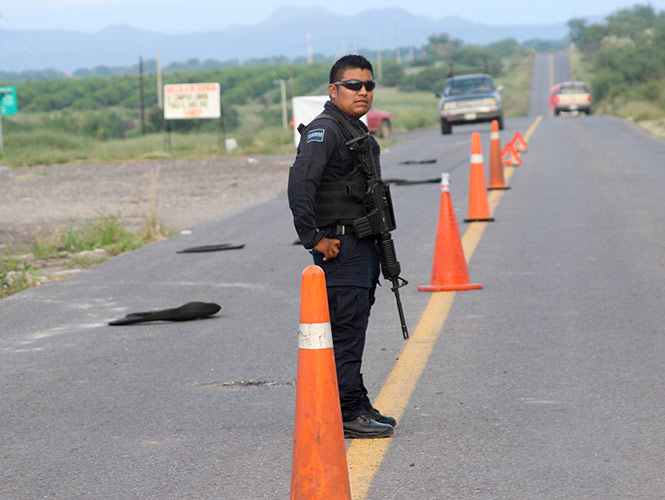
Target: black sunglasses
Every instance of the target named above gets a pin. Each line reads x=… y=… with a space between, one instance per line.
x=356 y=85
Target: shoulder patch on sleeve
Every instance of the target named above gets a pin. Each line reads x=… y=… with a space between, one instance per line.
x=315 y=135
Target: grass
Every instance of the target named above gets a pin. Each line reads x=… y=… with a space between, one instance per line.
x=410 y=110
x=100 y=233
x=76 y=246
x=648 y=113
x=50 y=148
x=654 y=127
x=516 y=80
x=15 y=277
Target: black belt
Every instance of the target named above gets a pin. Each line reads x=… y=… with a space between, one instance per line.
x=337 y=230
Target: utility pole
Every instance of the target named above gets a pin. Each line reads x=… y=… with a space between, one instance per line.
x=310 y=55
x=160 y=101
x=282 y=87
x=379 y=71
x=285 y=118
x=142 y=96
x=398 y=58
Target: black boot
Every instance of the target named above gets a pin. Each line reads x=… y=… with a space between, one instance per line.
x=364 y=427
x=375 y=414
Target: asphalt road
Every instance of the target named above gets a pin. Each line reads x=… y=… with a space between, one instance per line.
x=545 y=384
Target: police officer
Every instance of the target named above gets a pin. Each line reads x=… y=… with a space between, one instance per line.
x=323 y=174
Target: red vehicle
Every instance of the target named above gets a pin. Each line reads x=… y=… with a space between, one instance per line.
x=379 y=123
x=553 y=93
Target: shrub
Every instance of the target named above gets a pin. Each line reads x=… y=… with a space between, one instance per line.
x=105 y=125
x=392 y=74
x=649 y=91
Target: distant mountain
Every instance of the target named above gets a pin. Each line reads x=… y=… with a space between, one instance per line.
x=284 y=33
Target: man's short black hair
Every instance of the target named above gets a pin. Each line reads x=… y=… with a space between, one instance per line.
x=349 y=61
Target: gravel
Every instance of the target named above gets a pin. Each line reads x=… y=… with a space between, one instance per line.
x=37 y=201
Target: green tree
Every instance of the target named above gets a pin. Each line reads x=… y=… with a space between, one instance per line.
x=429 y=79
x=505 y=48
x=590 y=40
x=576 y=28
x=392 y=73
x=440 y=46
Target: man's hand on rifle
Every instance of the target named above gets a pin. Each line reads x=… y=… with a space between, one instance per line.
x=328 y=247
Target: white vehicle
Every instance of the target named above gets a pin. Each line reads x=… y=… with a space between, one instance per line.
x=469 y=99
x=572 y=96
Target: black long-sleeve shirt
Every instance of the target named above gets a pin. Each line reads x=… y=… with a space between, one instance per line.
x=322 y=153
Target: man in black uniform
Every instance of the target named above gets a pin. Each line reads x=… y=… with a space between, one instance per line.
x=323 y=174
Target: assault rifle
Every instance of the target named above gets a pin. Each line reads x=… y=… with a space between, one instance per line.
x=379 y=218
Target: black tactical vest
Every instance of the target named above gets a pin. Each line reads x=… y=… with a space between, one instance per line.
x=339 y=201
x=333 y=203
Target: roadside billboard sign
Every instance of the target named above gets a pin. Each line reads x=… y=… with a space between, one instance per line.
x=8 y=105
x=183 y=101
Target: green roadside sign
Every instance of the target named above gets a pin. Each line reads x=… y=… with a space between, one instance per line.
x=8 y=105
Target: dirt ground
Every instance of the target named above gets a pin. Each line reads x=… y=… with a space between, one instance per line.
x=37 y=201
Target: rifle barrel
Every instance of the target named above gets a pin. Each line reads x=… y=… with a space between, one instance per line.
x=395 y=289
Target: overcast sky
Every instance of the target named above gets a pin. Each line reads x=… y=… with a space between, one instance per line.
x=177 y=16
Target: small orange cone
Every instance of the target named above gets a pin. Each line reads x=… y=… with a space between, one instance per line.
x=449 y=270
x=479 y=208
x=496 y=165
x=319 y=468
x=509 y=155
x=519 y=143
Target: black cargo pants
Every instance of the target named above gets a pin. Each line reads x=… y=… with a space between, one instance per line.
x=351 y=280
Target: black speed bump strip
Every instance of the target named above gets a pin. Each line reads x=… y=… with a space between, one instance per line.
x=246 y=383
x=186 y=312
x=211 y=248
x=405 y=182
x=417 y=162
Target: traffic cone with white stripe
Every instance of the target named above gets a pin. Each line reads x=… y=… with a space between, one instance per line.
x=319 y=469
x=449 y=272
x=496 y=165
x=479 y=208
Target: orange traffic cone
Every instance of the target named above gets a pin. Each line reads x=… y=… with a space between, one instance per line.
x=519 y=143
x=319 y=468
x=479 y=208
x=496 y=165
x=509 y=155
x=449 y=270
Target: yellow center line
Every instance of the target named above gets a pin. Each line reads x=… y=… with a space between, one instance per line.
x=364 y=456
